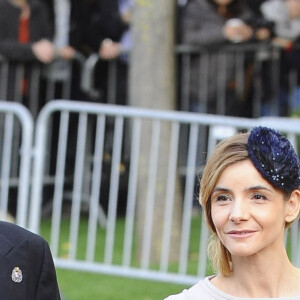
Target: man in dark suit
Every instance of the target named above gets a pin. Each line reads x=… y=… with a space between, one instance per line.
x=27 y=270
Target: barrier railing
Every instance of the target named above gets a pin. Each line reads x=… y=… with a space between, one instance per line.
x=33 y=84
x=16 y=137
x=234 y=78
x=240 y=79
x=153 y=193
x=114 y=212
x=243 y=80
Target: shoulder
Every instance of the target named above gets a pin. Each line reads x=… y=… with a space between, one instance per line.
x=198 y=291
x=17 y=235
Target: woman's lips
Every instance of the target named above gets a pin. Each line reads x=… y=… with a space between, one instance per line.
x=240 y=234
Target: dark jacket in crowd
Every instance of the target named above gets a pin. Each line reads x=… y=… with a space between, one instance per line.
x=106 y=22
x=39 y=28
x=79 y=30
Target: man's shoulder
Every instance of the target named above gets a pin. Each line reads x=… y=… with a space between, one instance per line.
x=17 y=234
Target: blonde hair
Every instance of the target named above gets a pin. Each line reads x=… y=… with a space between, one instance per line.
x=226 y=153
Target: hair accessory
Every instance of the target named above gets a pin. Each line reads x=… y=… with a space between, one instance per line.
x=275 y=158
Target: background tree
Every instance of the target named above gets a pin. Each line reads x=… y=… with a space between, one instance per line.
x=152 y=85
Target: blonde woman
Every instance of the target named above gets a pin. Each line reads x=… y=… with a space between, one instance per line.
x=250 y=195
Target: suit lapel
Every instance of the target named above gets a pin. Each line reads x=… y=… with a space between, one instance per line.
x=10 y=258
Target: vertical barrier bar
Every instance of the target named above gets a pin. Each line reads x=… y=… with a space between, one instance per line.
x=78 y=178
x=6 y=164
x=59 y=183
x=221 y=83
x=185 y=82
x=113 y=191
x=203 y=82
x=112 y=82
x=13 y=112
x=4 y=79
x=240 y=73
x=170 y=195
x=132 y=189
x=188 y=198
x=34 y=98
x=150 y=197
x=95 y=207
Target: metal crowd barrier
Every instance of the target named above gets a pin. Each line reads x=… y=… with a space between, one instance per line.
x=96 y=162
x=16 y=137
x=248 y=75
x=33 y=84
x=239 y=79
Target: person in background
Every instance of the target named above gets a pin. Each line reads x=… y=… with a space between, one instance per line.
x=250 y=194
x=211 y=24
x=111 y=39
x=70 y=26
x=25 y=33
x=25 y=38
x=285 y=14
x=111 y=27
x=27 y=269
x=286 y=17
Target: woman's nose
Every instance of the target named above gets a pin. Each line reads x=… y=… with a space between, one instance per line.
x=239 y=211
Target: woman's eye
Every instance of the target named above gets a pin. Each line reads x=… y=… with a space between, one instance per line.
x=222 y=198
x=259 y=197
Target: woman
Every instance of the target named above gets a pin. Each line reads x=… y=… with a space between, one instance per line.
x=250 y=194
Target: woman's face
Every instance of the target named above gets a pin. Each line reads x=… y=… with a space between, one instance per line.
x=249 y=214
x=223 y=2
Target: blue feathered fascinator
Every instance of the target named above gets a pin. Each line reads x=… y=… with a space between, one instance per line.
x=275 y=158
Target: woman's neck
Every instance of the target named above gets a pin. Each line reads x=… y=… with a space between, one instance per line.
x=266 y=275
x=261 y=278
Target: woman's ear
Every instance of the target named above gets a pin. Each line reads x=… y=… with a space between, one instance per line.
x=293 y=206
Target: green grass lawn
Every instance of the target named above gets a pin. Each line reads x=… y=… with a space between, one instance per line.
x=82 y=285
x=77 y=285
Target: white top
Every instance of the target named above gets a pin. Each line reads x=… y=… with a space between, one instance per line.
x=204 y=289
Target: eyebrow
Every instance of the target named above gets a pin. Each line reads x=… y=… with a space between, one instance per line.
x=220 y=189
x=252 y=188
x=258 y=187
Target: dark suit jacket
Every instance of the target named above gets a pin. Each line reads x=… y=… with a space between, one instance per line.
x=30 y=253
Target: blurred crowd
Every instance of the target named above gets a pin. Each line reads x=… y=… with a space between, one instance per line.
x=44 y=30
x=212 y=24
